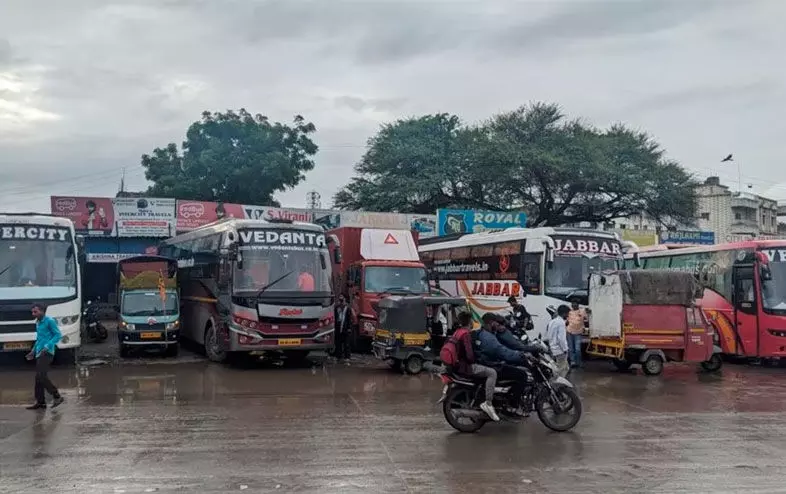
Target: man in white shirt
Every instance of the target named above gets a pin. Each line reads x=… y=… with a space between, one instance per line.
x=557 y=337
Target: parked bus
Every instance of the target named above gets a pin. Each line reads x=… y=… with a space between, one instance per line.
x=251 y=286
x=549 y=266
x=744 y=291
x=38 y=263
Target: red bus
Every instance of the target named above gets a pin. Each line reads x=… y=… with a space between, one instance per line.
x=744 y=291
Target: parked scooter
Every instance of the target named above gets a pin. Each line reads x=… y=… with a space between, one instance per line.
x=91 y=325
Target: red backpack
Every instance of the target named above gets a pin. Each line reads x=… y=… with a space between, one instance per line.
x=451 y=353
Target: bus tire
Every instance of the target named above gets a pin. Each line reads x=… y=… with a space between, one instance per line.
x=213 y=349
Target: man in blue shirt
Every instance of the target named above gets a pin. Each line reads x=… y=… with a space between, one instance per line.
x=47 y=336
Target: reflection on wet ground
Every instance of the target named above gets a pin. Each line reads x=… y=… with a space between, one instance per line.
x=207 y=428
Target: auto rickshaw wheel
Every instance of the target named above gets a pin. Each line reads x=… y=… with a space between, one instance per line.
x=653 y=366
x=414 y=364
x=622 y=365
x=713 y=364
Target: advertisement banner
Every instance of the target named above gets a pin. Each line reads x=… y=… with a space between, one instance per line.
x=270 y=213
x=642 y=238
x=687 y=237
x=93 y=216
x=424 y=224
x=193 y=214
x=453 y=221
x=144 y=217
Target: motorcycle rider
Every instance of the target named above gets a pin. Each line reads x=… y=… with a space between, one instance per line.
x=506 y=336
x=490 y=352
x=522 y=318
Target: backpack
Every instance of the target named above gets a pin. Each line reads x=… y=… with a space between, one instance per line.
x=451 y=352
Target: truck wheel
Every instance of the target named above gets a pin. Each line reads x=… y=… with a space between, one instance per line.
x=213 y=347
x=653 y=366
x=622 y=365
x=413 y=365
x=713 y=364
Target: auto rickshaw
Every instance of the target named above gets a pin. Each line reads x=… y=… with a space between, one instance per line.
x=411 y=331
x=649 y=317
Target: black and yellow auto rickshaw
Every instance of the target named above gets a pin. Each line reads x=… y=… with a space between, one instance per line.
x=412 y=329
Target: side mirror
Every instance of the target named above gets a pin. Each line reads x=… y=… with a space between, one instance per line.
x=333 y=240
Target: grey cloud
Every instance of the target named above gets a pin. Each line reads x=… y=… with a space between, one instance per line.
x=358 y=104
x=719 y=94
x=602 y=19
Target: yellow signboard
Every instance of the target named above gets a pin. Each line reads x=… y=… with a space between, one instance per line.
x=642 y=238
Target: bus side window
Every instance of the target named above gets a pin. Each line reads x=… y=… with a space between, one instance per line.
x=744 y=290
x=530 y=273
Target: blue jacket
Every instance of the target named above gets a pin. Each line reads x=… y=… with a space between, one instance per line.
x=47 y=335
x=510 y=341
x=490 y=350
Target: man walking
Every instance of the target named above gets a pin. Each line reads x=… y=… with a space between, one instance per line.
x=576 y=319
x=556 y=335
x=47 y=336
x=343 y=332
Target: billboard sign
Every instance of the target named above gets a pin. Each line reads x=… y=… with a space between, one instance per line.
x=453 y=221
x=93 y=216
x=144 y=216
x=687 y=237
x=193 y=214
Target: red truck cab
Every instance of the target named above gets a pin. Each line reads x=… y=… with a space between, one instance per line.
x=376 y=262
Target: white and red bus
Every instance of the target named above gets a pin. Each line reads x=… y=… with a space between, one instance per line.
x=744 y=291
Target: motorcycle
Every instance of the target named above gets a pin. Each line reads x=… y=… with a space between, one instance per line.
x=544 y=392
x=91 y=325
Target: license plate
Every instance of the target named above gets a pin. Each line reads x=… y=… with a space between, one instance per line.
x=18 y=345
x=149 y=336
x=289 y=342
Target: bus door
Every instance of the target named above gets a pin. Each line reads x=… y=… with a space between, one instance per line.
x=745 y=311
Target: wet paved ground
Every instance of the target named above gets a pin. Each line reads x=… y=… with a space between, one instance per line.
x=196 y=427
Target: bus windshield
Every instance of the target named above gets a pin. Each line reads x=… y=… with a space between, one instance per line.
x=773 y=292
x=291 y=270
x=37 y=269
x=569 y=274
x=393 y=279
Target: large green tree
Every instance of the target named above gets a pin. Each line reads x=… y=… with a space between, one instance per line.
x=558 y=170
x=233 y=157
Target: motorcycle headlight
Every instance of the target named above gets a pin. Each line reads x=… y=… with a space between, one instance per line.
x=173 y=325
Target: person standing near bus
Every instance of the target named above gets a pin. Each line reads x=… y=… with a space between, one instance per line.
x=577 y=317
x=47 y=337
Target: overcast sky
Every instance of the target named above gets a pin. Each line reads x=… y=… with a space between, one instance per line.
x=87 y=86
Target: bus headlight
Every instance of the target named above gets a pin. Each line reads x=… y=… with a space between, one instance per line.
x=173 y=325
x=68 y=320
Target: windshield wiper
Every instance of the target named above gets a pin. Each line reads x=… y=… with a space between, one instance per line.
x=6 y=268
x=260 y=292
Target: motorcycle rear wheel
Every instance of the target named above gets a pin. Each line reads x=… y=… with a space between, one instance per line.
x=458 y=398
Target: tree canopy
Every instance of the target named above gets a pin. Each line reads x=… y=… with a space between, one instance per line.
x=533 y=159
x=233 y=157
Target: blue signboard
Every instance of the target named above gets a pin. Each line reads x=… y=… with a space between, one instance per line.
x=452 y=221
x=686 y=237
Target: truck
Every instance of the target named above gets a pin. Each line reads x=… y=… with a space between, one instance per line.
x=149 y=315
x=375 y=262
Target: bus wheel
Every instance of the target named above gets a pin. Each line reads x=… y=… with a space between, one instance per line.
x=212 y=346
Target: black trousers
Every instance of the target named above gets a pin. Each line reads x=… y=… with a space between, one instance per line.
x=343 y=344
x=42 y=382
x=519 y=376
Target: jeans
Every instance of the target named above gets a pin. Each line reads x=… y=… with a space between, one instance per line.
x=574 y=347
x=491 y=378
x=42 y=381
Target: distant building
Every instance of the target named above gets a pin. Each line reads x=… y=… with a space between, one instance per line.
x=735 y=216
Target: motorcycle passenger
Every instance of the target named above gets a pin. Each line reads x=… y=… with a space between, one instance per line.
x=468 y=366
x=492 y=352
